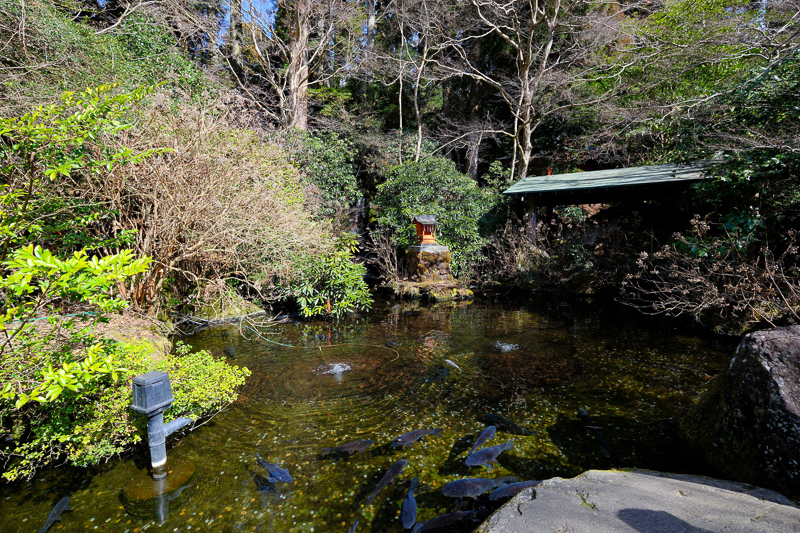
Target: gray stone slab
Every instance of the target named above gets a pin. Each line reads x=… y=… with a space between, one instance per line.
x=431 y=248
x=645 y=502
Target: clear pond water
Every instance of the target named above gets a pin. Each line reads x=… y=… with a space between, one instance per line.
x=387 y=373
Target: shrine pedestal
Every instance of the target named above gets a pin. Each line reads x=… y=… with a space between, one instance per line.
x=428 y=263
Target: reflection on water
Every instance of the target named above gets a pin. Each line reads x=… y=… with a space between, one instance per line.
x=146 y=497
x=400 y=369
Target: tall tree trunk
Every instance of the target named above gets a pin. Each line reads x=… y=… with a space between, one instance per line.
x=297 y=71
x=530 y=87
x=327 y=62
x=400 y=77
x=235 y=38
x=447 y=89
x=473 y=148
x=526 y=113
x=371 y=25
x=418 y=113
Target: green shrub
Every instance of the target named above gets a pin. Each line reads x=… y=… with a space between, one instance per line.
x=65 y=391
x=87 y=428
x=49 y=53
x=326 y=160
x=332 y=285
x=433 y=186
x=200 y=382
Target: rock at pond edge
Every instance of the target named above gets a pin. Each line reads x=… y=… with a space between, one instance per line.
x=622 y=501
x=747 y=427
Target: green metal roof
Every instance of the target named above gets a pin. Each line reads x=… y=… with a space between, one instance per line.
x=603 y=179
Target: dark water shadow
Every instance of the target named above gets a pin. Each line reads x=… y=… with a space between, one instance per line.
x=649 y=521
x=469 y=523
x=366 y=488
x=529 y=468
x=454 y=465
x=621 y=442
x=388 y=501
x=261 y=482
x=382 y=450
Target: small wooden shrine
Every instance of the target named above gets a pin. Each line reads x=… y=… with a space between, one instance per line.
x=426 y=229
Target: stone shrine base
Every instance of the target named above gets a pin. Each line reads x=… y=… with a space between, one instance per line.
x=428 y=263
x=430 y=292
x=430 y=279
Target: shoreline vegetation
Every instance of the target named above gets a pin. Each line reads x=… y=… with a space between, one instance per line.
x=172 y=157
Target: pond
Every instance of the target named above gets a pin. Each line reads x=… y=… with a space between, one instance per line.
x=403 y=367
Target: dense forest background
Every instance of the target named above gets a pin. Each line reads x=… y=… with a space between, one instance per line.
x=164 y=155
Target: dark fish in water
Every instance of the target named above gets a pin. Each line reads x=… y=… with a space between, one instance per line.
x=602 y=445
x=390 y=474
x=451 y=363
x=350 y=447
x=390 y=344
x=414 y=436
x=485 y=435
x=511 y=490
x=408 y=512
x=488 y=455
x=472 y=487
x=441 y=521
x=55 y=514
x=504 y=424
x=230 y=352
x=353 y=529
x=276 y=473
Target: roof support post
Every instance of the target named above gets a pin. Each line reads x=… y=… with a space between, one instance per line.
x=532 y=219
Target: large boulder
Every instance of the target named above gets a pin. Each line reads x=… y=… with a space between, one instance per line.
x=600 y=501
x=748 y=425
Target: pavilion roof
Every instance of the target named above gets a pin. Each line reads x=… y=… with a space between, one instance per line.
x=609 y=179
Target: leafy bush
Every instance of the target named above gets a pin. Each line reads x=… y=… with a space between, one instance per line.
x=332 y=285
x=200 y=382
x=433 y=186
x=718 y=277
x=87 y=428
x=49 y=53
x=54 y=150
x=326 y=160
x=224 y=204
x=51 y=371
x=40 y=366
x=65 y=392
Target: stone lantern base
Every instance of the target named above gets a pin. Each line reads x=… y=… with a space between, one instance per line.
x=428 y=263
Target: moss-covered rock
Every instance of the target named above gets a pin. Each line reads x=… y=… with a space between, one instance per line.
x=748 y=425
x=229 y=306
x=429 y=266
x=430 y=292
